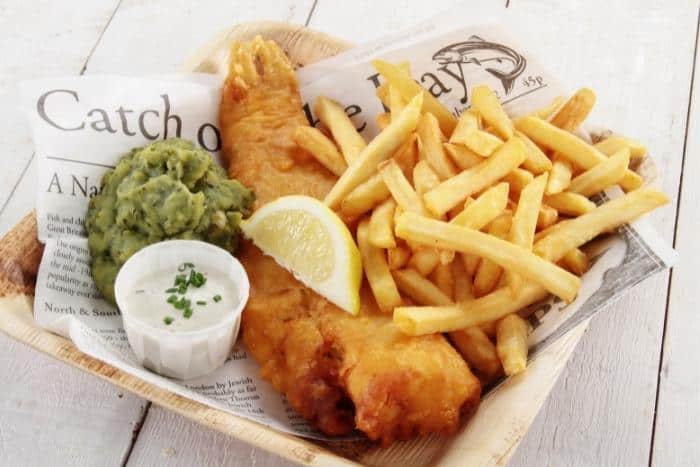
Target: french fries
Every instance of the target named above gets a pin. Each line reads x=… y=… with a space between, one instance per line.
x=536 y=161
x=425 y=188
x=477 y=350
x=318 y=145
x=547 y=216
x=381 y=225
x=333 y=116
x=511 y=344
x=400 y=188
x=559 y=175
x=470 y=263
x=570 y=204
x=424 y=260
x=396 y=102
x=409 y=90
x=383 y=120
x=574 y=111
x=444 y=280
x=429 y=232
x=431 y=148
x=468 y=133
x=489 y=273
x=615 y=143
x=398 y=256
x=421 y=320
x=424 y=178
x=522 y=230
x=489 y=205
x=486 y=103
x=365 y=196
x=464 y=157
x=575 y=261
x=377 y=271
x=547 y=111
x=419 y=289
x=605 y=217
x=462 y=282
x=601 y=176
x=518 y=179
x=569 y=117
x=454 y=190
x=477 y=214
x=407 y=154
x=489 y=328
x=571 y=147
x=382 y=93
x=378 y=150
x=542 y=233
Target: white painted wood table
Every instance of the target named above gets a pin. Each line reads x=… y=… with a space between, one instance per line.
x=629 y=396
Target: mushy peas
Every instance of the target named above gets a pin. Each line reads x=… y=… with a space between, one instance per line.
x=169 y=189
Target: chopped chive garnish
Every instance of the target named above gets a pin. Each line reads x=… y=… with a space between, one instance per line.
x=180 y=279
x=199 y=279
x=217 y=298
x=180 y=285
x=168 y=320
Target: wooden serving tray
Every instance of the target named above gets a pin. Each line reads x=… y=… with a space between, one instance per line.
x=489 y=438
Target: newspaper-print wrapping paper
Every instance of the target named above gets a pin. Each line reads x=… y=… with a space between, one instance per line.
x=82 y=125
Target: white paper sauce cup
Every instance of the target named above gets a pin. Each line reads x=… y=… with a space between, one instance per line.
x=177 y=353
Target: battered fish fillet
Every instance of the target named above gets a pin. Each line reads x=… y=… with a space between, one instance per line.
x=338 y=371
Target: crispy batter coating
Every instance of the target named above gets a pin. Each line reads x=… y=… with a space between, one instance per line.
x=338 y=371
x=260 y=109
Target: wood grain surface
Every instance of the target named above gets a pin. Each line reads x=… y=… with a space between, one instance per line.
x=639 y=57
x=678 y=403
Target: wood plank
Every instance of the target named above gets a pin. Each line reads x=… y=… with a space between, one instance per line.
x=364 y=20
x=52 y=411
x=35 y=44
x=601 y=411
x=168 y=438
x=678 y=407
x=156 y=37
x=48 y=410
x=23 y=198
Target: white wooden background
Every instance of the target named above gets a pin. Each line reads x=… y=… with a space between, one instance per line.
x=630 y=395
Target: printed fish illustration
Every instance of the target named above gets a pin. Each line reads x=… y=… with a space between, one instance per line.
x=497 y=59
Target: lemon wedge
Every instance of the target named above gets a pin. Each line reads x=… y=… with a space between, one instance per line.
x=305 y=237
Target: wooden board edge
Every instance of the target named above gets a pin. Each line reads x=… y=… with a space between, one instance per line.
x=18 y=323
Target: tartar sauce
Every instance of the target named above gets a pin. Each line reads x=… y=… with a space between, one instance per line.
x=189 y=298
x=181 y=303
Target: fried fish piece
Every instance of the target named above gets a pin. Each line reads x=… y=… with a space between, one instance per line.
x=338 y=371
x=260 y=109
